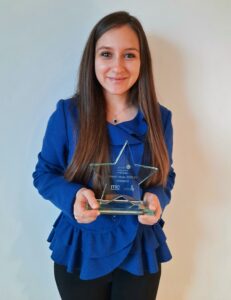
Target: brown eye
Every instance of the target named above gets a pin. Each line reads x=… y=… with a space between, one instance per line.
x=105 y=54
x=129 y=55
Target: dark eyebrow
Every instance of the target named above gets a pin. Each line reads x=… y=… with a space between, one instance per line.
x=134 y=49
x=109 y=48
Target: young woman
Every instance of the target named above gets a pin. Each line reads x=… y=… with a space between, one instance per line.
x=99 y=256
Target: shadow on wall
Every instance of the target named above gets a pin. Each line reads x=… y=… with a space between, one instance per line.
x=194 y=182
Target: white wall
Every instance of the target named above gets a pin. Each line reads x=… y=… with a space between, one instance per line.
x=41 y=45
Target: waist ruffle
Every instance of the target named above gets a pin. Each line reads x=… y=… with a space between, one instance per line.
x=126 y=244
x=148 y=251
x=95 y=252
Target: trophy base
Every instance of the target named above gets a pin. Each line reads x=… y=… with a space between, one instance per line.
x=123 y=207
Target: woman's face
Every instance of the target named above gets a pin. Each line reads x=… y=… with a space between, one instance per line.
x=117 y=61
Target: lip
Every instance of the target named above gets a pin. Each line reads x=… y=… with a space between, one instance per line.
x=117 y=79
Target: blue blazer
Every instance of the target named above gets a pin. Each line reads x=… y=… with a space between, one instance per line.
x=110 y=241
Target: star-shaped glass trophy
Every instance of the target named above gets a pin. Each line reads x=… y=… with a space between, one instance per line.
x=122 y=192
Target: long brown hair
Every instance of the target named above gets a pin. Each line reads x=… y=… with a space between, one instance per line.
x=93 y=140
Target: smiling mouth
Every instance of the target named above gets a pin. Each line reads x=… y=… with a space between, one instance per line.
x=117 y=79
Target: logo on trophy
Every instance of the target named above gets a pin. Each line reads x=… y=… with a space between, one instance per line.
x=121 y=193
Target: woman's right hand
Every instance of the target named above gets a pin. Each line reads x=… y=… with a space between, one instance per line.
x=83 y=215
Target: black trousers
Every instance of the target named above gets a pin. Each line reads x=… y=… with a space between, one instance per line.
x=118 y=285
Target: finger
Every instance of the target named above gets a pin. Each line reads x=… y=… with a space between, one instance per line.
x=151 y=206
x=90 y=213
x=153 y=203
x=147 y=220
x=90 y=196
x=156 y=211
x=82 y=200
x=86 y=221
x=86 y=216
x=81 y=208
x=80 y=204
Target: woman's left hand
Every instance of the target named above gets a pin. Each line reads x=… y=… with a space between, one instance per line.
x=152 y=202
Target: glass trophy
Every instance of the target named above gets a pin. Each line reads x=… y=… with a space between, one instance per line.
x=121 y=193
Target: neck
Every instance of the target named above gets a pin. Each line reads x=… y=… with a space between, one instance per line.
x=119 y=109
x=116 y=102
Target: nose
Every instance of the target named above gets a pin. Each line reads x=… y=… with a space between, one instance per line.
x=118 y=64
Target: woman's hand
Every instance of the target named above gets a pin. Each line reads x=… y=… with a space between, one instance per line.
x=152 y=202
x=83 y=215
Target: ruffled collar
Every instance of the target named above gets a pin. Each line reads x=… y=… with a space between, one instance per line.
x=133 y=131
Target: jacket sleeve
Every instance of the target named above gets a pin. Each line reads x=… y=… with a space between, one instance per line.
x=164 y=193
x=48 y=176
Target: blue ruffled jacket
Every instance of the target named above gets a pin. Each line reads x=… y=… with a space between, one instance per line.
x=110 y=241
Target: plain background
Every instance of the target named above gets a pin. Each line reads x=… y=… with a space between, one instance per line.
x=41 y=46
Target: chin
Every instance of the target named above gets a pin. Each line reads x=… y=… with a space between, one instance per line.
x=117 y=91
